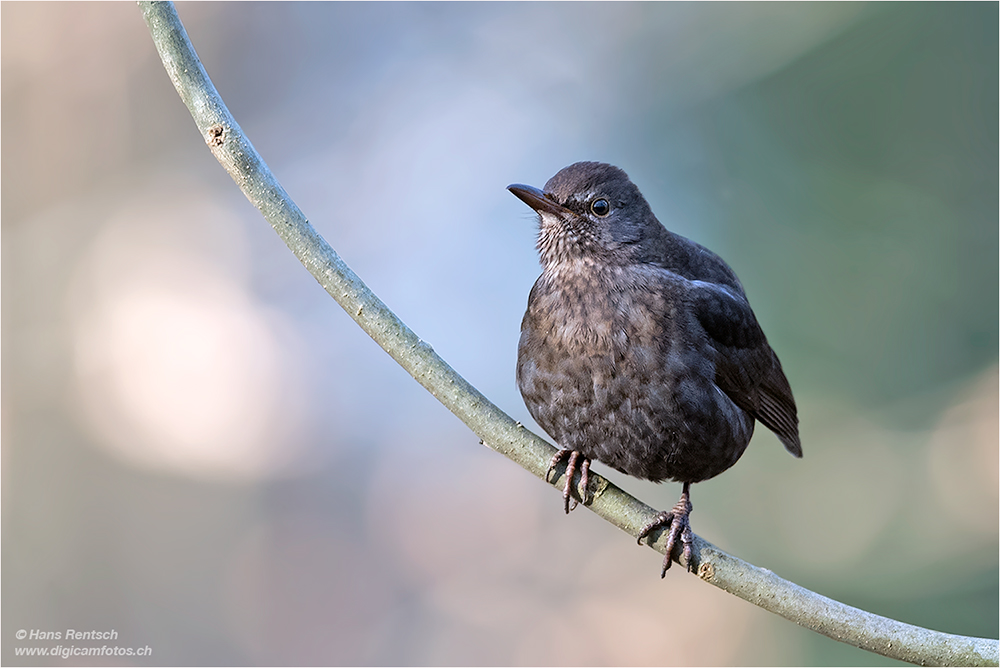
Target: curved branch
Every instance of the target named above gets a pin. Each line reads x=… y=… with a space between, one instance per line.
x=757 y=585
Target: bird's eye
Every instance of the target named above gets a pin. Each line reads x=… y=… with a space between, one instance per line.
x=600 y=207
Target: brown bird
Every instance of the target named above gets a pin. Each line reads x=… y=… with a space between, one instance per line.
x=639 y=348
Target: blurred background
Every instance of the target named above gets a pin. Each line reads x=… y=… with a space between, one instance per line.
x=204 y=453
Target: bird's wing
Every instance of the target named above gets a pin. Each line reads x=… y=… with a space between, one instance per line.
x=746 y=367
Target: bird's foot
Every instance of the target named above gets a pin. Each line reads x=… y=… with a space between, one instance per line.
x=572 y=458
x=680 y=527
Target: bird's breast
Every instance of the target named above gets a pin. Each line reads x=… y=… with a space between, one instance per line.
x=597 y=342
x=596 y=309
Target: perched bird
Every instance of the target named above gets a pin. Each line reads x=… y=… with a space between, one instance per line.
x=639 y=348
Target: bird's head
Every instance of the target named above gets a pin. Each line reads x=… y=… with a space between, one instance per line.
x=591 y=210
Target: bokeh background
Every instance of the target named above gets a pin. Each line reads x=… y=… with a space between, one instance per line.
x=204 y=453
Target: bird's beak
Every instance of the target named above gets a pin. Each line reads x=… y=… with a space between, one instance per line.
x=537 y=200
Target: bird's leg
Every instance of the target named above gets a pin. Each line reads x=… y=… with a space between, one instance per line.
x=571 y=457
x=680 y=527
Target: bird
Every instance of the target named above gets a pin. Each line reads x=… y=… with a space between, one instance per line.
x=639 y=348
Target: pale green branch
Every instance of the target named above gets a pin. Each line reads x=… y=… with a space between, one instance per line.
x=757 y=585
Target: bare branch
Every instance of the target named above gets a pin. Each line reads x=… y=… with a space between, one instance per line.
x=757 y=585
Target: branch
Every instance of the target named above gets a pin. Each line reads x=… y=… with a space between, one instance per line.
x=759 y=586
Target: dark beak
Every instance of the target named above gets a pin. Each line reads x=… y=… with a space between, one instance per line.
x=536 y=199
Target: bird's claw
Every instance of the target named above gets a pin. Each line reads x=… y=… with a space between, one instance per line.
x=677 y=518
x=571 y=457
